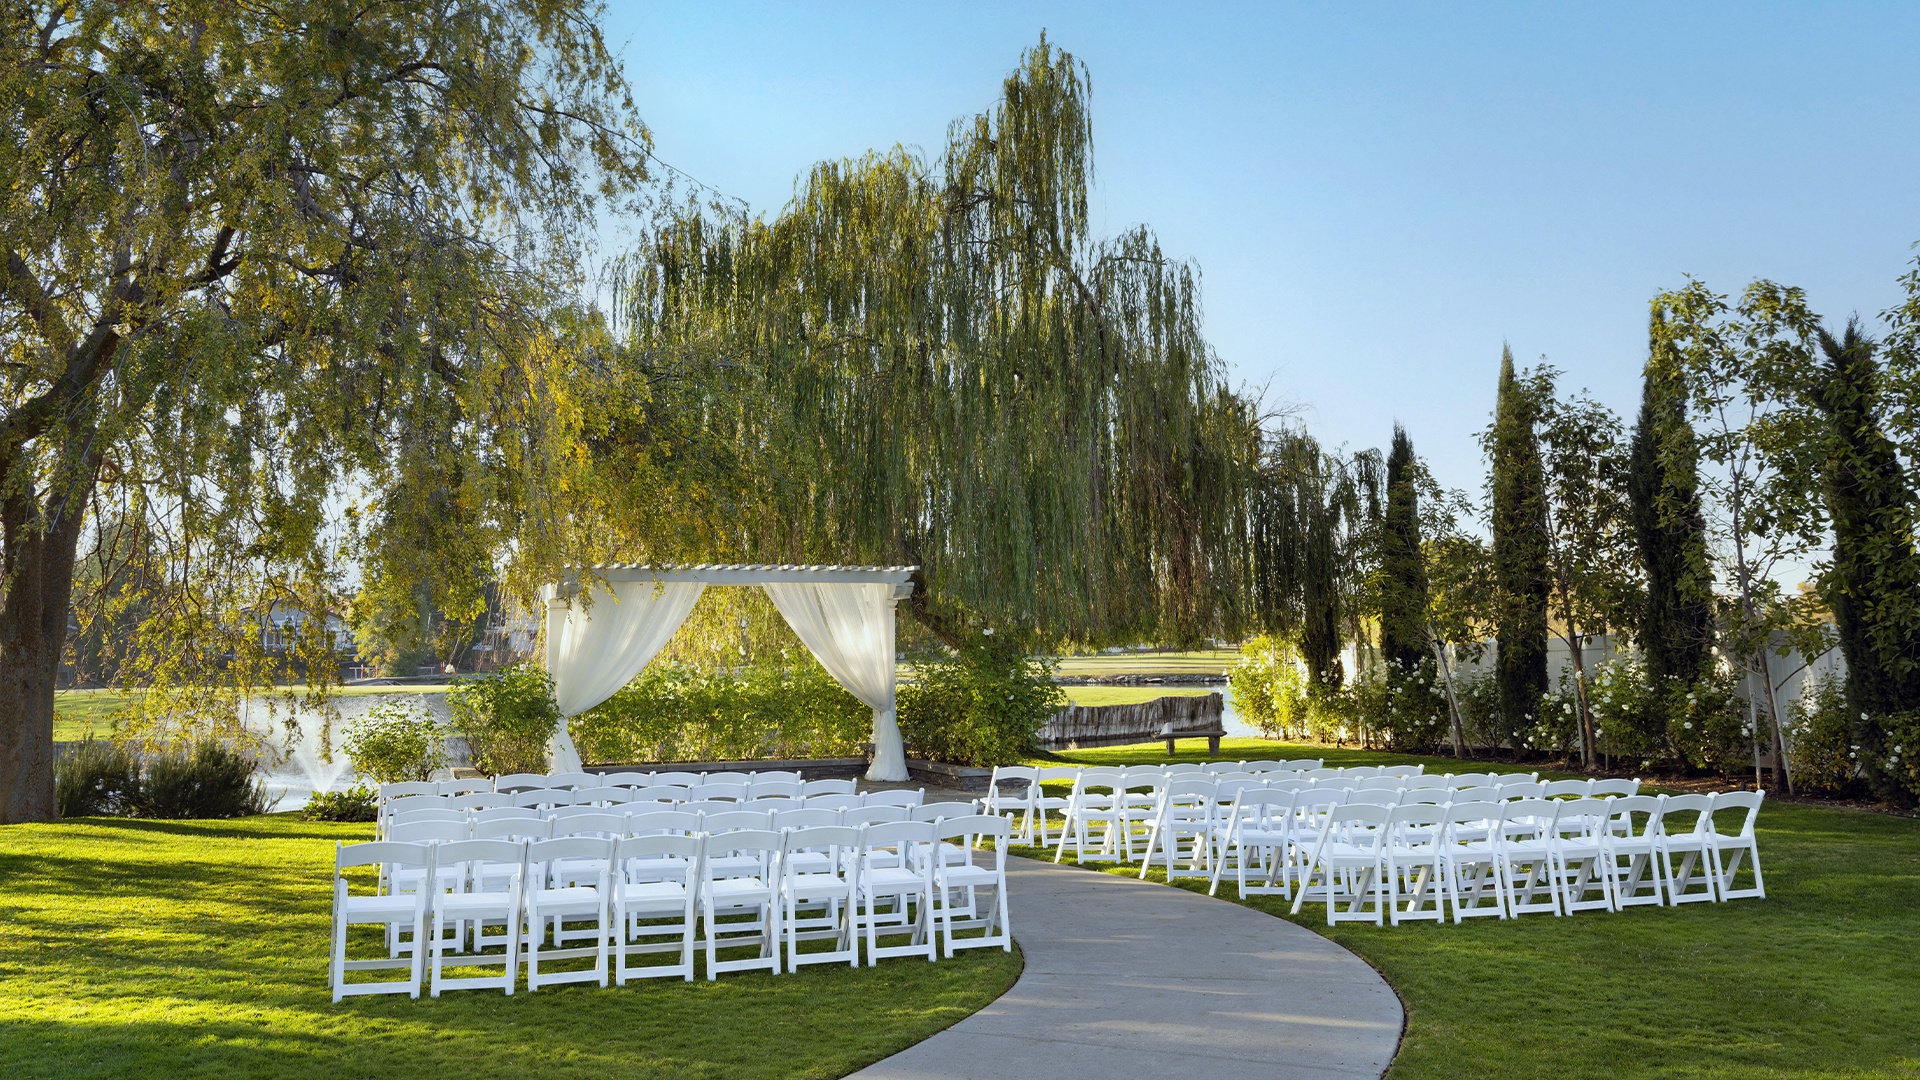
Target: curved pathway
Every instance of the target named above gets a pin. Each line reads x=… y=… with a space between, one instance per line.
x=1131 y=978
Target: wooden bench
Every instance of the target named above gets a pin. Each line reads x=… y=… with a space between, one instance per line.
x=1212 y=735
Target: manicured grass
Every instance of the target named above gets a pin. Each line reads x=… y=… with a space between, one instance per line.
x=79 y=713
x=162 y=948
x=1818 y=980
x=1129 y=695
x=1200 y=662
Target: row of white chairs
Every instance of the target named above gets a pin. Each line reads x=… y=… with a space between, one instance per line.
x=514 y=782
x=610 y=899
x=1379 y=863
x=548 y=799
x=518 y=824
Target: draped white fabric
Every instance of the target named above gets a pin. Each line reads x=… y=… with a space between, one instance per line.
x=593 y=653
x=849 y=627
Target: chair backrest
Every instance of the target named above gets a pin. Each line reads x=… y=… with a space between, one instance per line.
x=677 y=778
x=913 y=797
x=513 y=829
x=464 y=786
x=611 y=826
x=427 y=813
x=668 y=793
x=600 y=795
x=627 y=779
x=468 y=855
x=777 y=775
x=417 y=802
x=480 y=800
x=1233 y=784
x=777 y=788
x=503 y=813
x=542 y=797
x=1285 y=765
x=381 y=853
x=830 y=838
x=764 y=843
x=1415 y=824
x=712 y=790
x=1736 y=811
x=829 y=786
x=1260 y=807
x=1614 y=787
x=1471 y=779
x=895 y=836
x=428 y=832
x=405 y=788
x=573 y=779
x=1478 y=793
x=1177 y=768
x=1068 y=773
x=971 y=829
x=1554 y=789
x=1362 y=825
x=1522 y=789
x=653 y=846
x=663 y=821
x=519 y=781
x=1635 y=816
x=737 y=820
x=1150 y=777
x=562 y=813
x=934 y=811
x=1586 y=818
x=774 y=804
x=1013 y=781
x=1424 y=781
x=807 y=818
x=836 y=801
x=868 y=815
x=542 y=854
x=709 y=806
x=1191 y=790
x=1323 y=774
x=1430 y=796
x=1468 y=820
x=1524 y=818
x=1400 y=770
x=1373 y=796
x=1508 y=779
x=1099 y=778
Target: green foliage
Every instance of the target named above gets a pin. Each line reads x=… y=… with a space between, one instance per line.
x=767 y=711
x=506 y=717
x=395 y=740
x=984 y=705
x=1269 y=684
x=937 y=362
x=357 y=803
x=96 y=777
x=1820 y=727
x=1402 y=591
x=206 y=780
x=1521 y=576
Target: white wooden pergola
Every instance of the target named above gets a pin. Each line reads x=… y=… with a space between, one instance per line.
x=604 y=623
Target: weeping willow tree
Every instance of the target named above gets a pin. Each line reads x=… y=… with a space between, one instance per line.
x=936 y=363
x=1314 y=524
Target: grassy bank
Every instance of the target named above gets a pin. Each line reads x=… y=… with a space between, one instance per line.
x=167 y=948
x=1198 y=662
x=1816 y=981
x=79 y=713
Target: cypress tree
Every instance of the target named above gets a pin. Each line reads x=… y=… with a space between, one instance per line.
x=1874 y=588
x=1519 y=555
x=1676 y=626
x=1403 y=578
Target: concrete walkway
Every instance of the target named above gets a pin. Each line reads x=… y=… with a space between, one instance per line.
x=1129 y=978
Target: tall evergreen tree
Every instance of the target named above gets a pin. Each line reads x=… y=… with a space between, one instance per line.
x=1676 y=626
x=1520 y=569
x=1403 y=577
x=1874 y=585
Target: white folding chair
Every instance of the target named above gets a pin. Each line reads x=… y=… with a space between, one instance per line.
x=1091 y=814
x=1578 y=860
x=1469 y=860
x=819 y=886
x=739 y=898
x=1575 y=789
x=1254 y=836
x=395 y=913
x=1730 y=846
x=1602 y=788
x=556 y=896
x=902 y=797
x=1183 y=828
x=655 y=910
x=1350 y=858
x=491 y=875
x=1414 y=866
x=1692 y=840
x=1010 y=793
x=1050 y=807
x=1631 y=851
x=891 y=872
x=1523 y=855
x=961 y=874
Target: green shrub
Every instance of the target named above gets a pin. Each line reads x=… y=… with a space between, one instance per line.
x=357 y=803
x=1818 y=739
x=984 y=705
x=507 y=718
x=394 y=741
x=789 y=709
x=1414 y=719
x=206 y=780
x=95 y=778
x=1269 y=687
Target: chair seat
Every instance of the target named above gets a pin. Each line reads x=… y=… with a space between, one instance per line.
x=379 y=908
x=741 y=890
x=890 y=879
x=573 y=896
x=468 y=905
x=652 y=894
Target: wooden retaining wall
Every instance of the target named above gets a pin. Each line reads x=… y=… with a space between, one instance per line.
x=1078 y=726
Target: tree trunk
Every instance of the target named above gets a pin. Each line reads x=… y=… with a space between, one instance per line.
x=920 y=606
x=1773 y=718
x=1589 y=746
x=38 y=577
x=1453 y=702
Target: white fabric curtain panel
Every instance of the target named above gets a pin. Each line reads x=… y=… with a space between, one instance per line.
x=593 y=653
x=850 y=629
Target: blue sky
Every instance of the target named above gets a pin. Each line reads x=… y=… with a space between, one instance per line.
x=1378 y=195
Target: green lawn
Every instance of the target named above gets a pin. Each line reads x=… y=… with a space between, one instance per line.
x=1200 y=662
x=1819 y=980
x=79 y=713
x=1129 y=695
x=163 y=948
